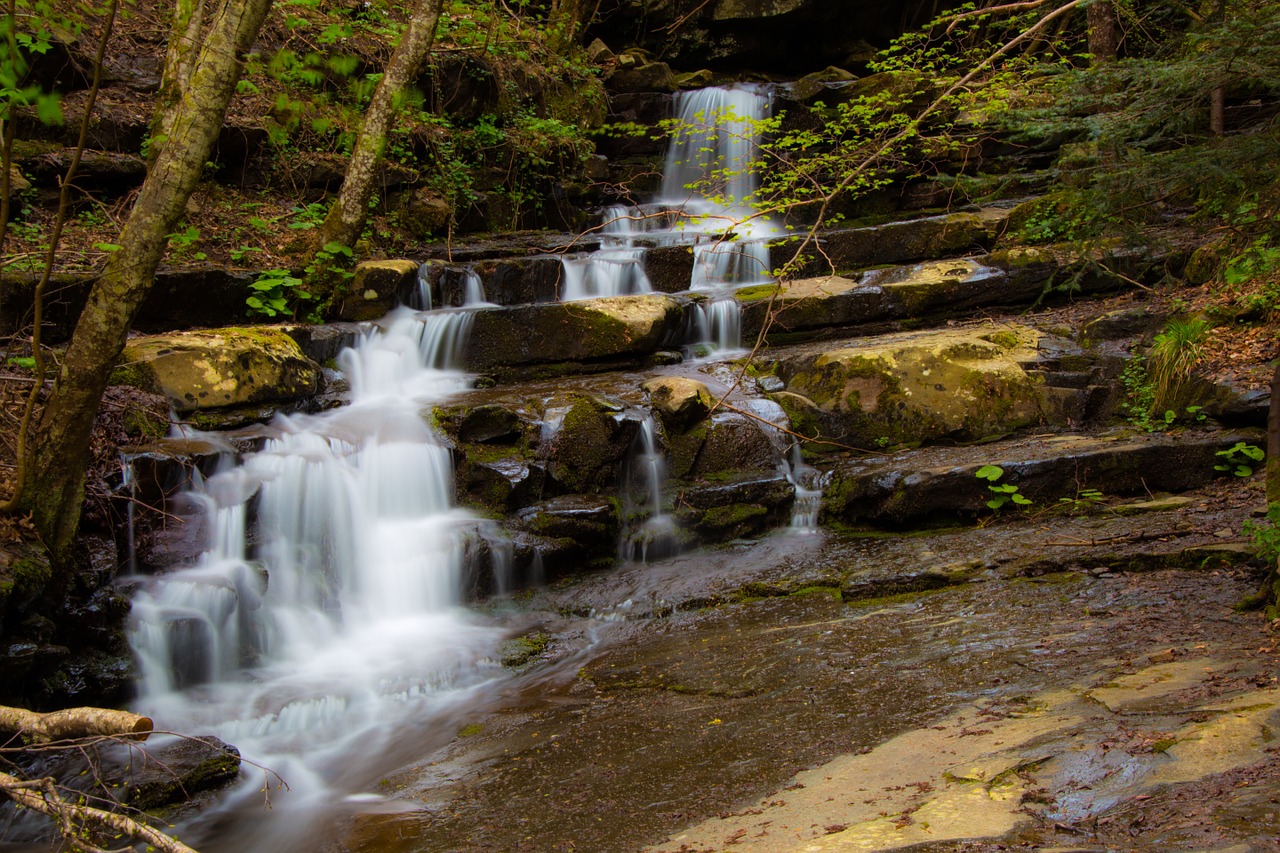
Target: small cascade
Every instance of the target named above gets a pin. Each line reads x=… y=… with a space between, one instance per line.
x=655 y=538
x=717 y=326
x=129 y=487
x=473 y=290
x=421 y=297
x=325 y=612
x=808 y=484
x=615 y=269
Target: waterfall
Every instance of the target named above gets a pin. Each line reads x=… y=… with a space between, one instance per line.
x=473 y=290
x=615 y=269
x=808 y=485
x=655 y=537
x=325 y=612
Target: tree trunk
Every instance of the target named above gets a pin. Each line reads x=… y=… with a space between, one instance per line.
x=53 y=488
x=1104 y=31
x=179 y=60
x=346 y=217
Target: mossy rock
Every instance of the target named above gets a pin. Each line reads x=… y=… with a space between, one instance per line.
x=586 y=452
x=219 y=368
x=680 y=402
x=376 y=288
x=917 y=387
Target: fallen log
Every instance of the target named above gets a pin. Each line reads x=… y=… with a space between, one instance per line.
x=72 y=723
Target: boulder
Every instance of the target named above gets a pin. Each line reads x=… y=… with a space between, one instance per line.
x=584 y=526
x=958 y=384
x=220 y=368
x=490 y=423
x=378 y=286
x=649 y=77
x=734 y=443
x=679 y=401
x=587 y=447
x=608 y=330
x=178 y=771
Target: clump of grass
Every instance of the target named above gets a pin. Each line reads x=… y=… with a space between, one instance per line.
x=1174 y=354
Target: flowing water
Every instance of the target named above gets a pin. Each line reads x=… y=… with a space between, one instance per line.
x=324 y=620
x=322 y=631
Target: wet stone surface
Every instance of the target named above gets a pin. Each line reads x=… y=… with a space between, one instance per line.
x=679 y=693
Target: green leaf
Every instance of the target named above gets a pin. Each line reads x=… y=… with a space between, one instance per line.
x=107 y=247
x=990 y=472
x=1020 y=500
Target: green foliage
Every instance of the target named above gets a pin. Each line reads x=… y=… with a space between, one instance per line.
x=1084 y=502
x=1002 y=493
x=1140 y=404
x=182 y=242
x=1266 y=534
x=1176 y=350
x=1239 y=459
x=24 y=35
x=277 y=293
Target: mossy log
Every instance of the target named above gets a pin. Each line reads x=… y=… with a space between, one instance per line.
x=72 y=723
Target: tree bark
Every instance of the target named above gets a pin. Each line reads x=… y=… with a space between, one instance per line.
x=52 y=489
x=179 y=61
x=346 y=218
x=1104 y=31
x=71 y=723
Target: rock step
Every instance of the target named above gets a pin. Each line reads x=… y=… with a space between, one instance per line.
x=939 y=484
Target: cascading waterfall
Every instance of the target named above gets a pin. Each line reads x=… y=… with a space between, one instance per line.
x=654 y=538
x=325 y=612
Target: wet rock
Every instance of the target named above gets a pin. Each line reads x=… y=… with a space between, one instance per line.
x=322 y=343
x=679 y=401
x=585 y=452
x=522 y=282
x=916 y=387
x=503 y=484
x=899 y=242
x=580 y=526
x=376 y=289
x=719 y=512
x=734 y=443
x=175 y=773
x=940 y=483
x=490 y=424
x=669 y=268
x=230 y=367
x=617 y=328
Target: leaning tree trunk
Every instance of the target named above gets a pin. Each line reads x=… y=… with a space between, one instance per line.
x=346 y=217
x=53 y=488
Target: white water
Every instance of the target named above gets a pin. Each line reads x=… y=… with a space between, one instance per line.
x=324 y=617
x=654 y=538
x=615 y=269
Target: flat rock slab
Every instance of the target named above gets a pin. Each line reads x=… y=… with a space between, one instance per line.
x=941 y=482
x=610 y=329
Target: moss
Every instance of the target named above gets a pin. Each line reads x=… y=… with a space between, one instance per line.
x=731 y=515
x=894 y=598
x=470 y=730
x=518 y=651
x=140 y=423
x=756 y=293
x=832 y=592
x=133 y=374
